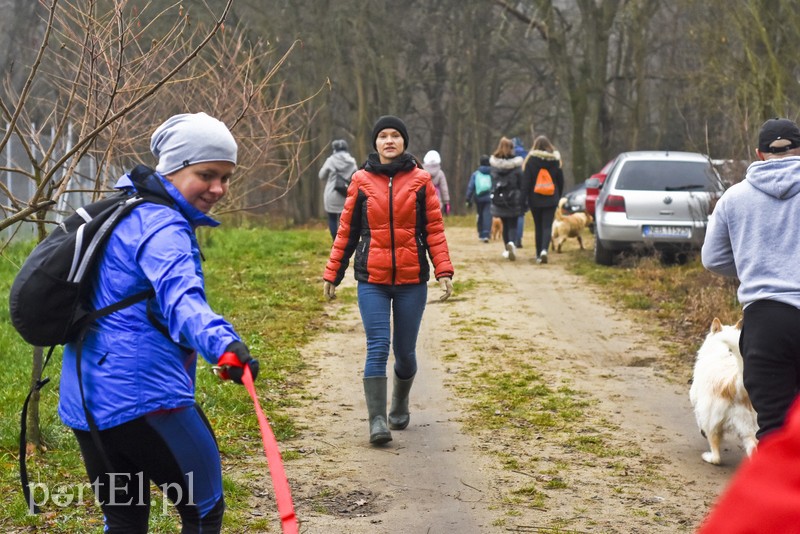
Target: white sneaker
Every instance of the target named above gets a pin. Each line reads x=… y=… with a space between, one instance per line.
x=511 y=251
x=543 y=256
x=505 y=254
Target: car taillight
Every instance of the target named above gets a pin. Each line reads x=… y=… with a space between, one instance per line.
x=614 y=203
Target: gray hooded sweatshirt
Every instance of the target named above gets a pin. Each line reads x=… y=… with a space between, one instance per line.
x=340 y=162
x=753 y=233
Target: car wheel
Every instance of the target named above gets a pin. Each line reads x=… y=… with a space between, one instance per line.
x=602 y=255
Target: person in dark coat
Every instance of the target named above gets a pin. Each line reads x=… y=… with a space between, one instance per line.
x=507 y=199
x=542 y=156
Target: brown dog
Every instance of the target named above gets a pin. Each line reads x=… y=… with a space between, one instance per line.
x=566 y=226
x=497 y=228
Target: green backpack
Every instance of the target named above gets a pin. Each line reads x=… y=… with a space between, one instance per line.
x=483 y=183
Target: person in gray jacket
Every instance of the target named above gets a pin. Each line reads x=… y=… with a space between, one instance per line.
x=341 y=164
x=751 y=236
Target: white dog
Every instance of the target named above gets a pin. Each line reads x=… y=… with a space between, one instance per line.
x=720 y=402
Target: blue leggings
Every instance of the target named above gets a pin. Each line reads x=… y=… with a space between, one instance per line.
x=176 y=449
x=379 y=304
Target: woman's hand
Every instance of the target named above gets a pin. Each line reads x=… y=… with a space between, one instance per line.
x=446 y=283
x=329 y=290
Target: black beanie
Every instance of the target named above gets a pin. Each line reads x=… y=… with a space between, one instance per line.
x=389 y=121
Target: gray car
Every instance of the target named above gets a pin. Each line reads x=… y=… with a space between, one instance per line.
x=655 y=200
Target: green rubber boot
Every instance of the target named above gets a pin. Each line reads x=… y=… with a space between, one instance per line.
x=375 y=393
x=399 y=415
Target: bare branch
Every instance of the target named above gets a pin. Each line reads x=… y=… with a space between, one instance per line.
x=540 y=26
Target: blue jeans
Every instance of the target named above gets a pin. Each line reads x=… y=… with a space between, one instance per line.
x=333 y=223
x=379 y=305
x=520 y=229
x=484 y=218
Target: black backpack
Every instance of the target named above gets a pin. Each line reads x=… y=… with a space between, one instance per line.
x=504 y=194
x=341 y=184
x=49 y=301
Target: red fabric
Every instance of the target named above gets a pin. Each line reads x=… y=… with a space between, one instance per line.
x=283 y=495
x=228 y=359
x=764 y=494
x=395 y=252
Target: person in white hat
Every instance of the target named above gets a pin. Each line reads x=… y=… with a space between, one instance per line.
x=432 y=162
x=138 y=420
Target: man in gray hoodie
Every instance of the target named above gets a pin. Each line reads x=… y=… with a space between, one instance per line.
x=753 y=235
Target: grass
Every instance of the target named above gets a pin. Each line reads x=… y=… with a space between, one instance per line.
x=677 y=301
x=268 y=284
x=511 y=403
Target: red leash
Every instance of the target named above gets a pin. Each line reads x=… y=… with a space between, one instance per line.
x=283 y=496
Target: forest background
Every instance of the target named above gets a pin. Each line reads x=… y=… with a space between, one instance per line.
x=596 y=76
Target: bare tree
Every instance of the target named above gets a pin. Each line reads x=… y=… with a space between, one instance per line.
x=90 y=94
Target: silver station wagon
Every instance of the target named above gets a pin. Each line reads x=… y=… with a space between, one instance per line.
x=655 y=200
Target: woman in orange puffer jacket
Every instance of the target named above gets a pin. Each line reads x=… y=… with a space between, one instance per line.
x=392 y=220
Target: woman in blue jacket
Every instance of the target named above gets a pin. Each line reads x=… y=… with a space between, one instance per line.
x=138 y=364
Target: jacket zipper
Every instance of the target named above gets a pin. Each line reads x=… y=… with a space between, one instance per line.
x=391 y=230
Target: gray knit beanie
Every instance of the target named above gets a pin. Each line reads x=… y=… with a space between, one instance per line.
x=190 y=138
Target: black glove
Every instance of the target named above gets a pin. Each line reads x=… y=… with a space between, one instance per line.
x=234 y=369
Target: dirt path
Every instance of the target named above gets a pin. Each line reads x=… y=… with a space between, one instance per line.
x=435 y=478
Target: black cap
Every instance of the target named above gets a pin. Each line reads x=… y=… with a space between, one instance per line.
x=778 y=135
x=485 y=160
x=389 y=121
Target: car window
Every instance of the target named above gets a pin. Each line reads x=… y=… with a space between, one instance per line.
x=667 y=176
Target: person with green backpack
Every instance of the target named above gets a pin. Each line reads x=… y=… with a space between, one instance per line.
x=479 y=190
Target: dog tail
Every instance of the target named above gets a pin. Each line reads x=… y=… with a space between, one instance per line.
x=726 y=388
x=560 y=209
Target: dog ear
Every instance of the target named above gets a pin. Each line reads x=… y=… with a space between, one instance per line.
x=716 y=325
x=738 y=324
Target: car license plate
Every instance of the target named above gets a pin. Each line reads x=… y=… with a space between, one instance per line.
x=667 y=231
